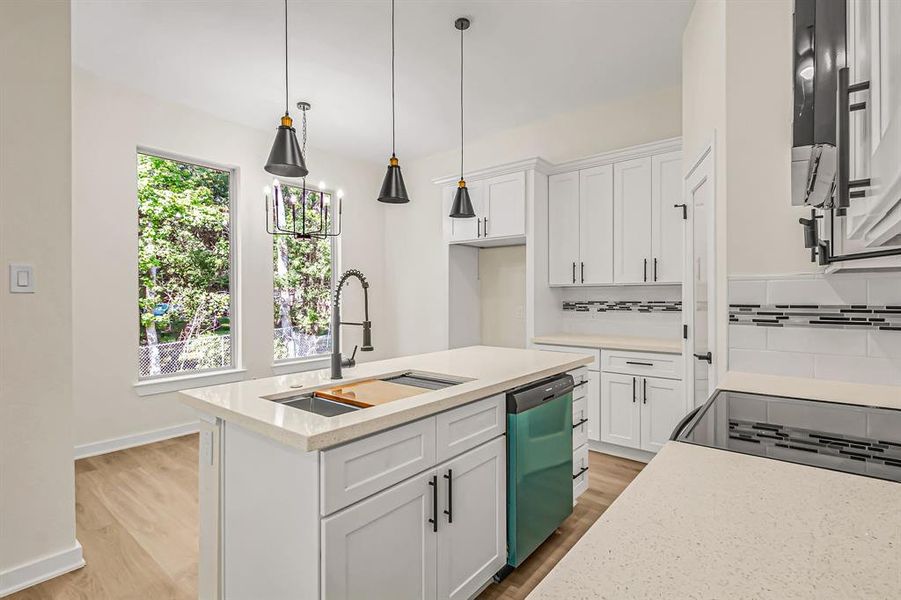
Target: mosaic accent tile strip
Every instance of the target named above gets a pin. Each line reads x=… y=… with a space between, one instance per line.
x=841 y=316
x=623 y=305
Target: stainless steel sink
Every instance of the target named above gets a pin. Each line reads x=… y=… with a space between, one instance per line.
x=320 y=406
x=422 y=380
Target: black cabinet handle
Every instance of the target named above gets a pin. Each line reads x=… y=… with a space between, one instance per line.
x=655 y=269
x=450 y=495
x=633 y=390
x=645 y=269
x=644 y=391
x=434 y=483
x=485 y=227
x=580 y=423
x=637 y=362
x=574 y=271
x=581 y=471
x=708 y=357
x=478 y=228
x=583 y=272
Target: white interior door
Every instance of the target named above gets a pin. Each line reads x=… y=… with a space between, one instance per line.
x=472 y=538
x=620 y=410
x=383 y=547
x=505 y=206
x=666 y=229
x=632 y=220
x=596 y=226
x=699 y=294
x=563 y=228
x=662 y=405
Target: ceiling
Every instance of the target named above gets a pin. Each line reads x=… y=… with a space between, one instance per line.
x=525 y=59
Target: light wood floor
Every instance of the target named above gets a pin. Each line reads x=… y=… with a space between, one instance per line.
x=136 y=516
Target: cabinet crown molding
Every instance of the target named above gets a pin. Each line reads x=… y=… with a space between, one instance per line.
x=618 y=155
x=536 y=163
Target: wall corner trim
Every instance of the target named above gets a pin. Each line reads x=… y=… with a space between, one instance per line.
x=41 y=569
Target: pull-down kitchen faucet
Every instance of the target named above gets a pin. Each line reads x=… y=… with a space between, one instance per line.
x=337 y=361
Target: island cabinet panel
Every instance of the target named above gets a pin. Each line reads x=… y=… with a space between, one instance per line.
x=361 y=468
x=472 y=540
x=580 y=421
x=594 y=406
x=383 y=547
x=463 y=428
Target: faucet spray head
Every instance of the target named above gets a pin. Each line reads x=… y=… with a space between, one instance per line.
x=367 y=337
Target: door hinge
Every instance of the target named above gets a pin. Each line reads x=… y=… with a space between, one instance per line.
x=684 y=208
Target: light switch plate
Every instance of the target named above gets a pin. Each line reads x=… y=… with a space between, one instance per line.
x=21 y=279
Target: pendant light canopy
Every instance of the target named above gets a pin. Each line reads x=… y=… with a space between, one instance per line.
x=286 y=158
x=393 y=189
x=462 y=206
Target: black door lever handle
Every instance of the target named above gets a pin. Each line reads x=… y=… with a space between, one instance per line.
x=708 y=357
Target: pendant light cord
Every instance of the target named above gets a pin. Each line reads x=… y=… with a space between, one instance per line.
x=286 y=57
x=461 y=103
x=393 y=125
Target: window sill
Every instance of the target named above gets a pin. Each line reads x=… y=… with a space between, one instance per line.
x=299 y=365
x=150 y=387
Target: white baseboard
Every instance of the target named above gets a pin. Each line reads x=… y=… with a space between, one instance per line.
x=621 y=451
x=42 y=569
x=137 y=439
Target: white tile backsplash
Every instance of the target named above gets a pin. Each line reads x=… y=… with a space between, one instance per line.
x=817 y=291
x=792 y=364
x=851 y=342
x=842 y=354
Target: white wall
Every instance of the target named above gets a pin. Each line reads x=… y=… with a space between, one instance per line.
x=110 y=122
x=37 y=479
x=414 y=242
x=502 y=287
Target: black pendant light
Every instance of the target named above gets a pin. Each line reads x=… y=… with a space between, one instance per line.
x=285 y=158
x=393 y=189
x=462 y=206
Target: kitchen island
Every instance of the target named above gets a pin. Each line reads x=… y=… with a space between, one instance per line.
x=406 y=498
x=706 y=523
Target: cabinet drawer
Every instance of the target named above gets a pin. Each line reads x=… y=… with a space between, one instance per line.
x=580 y=422
x=580 y=379
x=580 y=471
x=642 y=363
x=363 y=467
x=593 y=352
x=466 y=427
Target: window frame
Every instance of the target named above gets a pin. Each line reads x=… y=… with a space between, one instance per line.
x=282 y=365
x=234 y=370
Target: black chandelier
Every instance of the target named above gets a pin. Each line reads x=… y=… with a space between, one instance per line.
x=278 y=206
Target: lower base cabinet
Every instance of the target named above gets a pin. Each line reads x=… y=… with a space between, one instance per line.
x=639 y=411
x=440 y=534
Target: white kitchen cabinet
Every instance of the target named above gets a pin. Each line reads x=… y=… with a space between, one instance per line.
x=596 y=226
x=472 y=530
x=874 y=54
x=594 y=406
x=504 y=212
x=632 y=220
x=661 y=408
x=462 y=230
x=666 y=219
x=580 y=421
x=620 y=410
x=563 y=228
x=385 y=546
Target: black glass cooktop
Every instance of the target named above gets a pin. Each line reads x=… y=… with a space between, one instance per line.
x=855 y=439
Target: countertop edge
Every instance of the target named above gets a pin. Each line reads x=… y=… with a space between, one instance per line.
x=661 y=346
x=343 y=435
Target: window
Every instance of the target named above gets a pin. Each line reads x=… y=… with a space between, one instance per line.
x=302 y=282
x=184 y=267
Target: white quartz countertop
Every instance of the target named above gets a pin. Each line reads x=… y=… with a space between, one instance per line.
x=864 y=394
x=489 y=370
x=710 y=524
x=612 y=342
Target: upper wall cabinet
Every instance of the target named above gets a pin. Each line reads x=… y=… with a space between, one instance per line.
x=874 y=55
x=666 y=217
x=580 y=242
x=500 y=206
x=632 y=220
